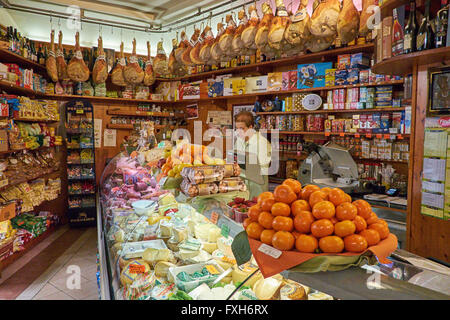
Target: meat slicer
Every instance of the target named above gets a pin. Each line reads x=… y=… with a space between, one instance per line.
x=330 y=166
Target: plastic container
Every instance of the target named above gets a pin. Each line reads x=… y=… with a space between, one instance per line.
x=143 y=207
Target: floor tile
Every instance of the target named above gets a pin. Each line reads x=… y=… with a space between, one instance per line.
x=90 y=273
x=87 y=289
x=57 y=296
x=61 y=282
x=92 y=297
x=46 y=290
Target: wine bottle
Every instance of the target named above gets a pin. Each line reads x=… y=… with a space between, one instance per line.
x=409 y=43
x=40 y=55
x=442 y=25
x=425 y=35
x=397 y=36
x=16 y=42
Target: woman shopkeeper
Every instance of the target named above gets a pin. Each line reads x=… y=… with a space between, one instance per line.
x=253 y=154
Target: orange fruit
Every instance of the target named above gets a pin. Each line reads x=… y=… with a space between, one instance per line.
x=284 y=193
x=355 y=243
x=363 y=207
x=266 y=204
x=307 y=191
x=323 y=210
x=334 y=220
x=253 y=212
x=246 y=222
x=348 y=198
x=344 y=228
x=281 y=223
x=337 y=196
x=372 y=219
x=281 y=209
x=326 y=190
x=254 y=230
x=265 y=219
x=322 y=228
x=265 y=195
x=346 y=211
x=299 y=206
x=360 y=223
x=283 y=240
x=266 y=236
x=372 y=236
x=383 y=222
x=316 y=197
x=306 y=243
x=331 y=244
x=296 y=234
x=295 y=185
x=381 y=229
x=303 y=221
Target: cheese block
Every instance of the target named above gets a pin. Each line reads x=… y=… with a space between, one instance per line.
x=165 y=229
x=203 y=256
x=173 y=246
x=152 y=255
x=319 y=296
x=267 y=289
x=166 y=199
x=207 y=232
x=223 y=260
x=214 y=234
x=162 y=268
x=179 y=234
x=240 y=273
x=132 y=270
x=209 y=247
x=224 y=245
x=184 y=254
x=292 y=291
x=136 y=249
x=190 y=244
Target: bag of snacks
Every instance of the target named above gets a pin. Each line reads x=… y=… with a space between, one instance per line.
x=231 y=170
x=203 y=174
x=232 y=184
x=194 y=190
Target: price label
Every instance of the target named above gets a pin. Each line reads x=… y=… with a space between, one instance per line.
x=136 y=268
x=214 y=217
x=341 y=134
x=225 y=230
x=387 y=136
x=399 y=137
x=369 y=135
x=327 y=134
x=378 y=135
x=357 y=135
x=149 y=113
x=80 y=111
x=270 y=251
x=212 y=269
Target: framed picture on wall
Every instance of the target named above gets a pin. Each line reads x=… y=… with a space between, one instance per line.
x=439 y=91
x=192 y=111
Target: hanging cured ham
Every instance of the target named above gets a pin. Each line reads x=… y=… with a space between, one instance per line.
x=348 y=22
x=297 y=33
x=50 y=63
x=133 y=72
x=100 y=70
x=325 y=17
x=216 y=53
x=77 y=69
x=184 y=43
x=61 y=64
x=149 y=74
x=278 y=26
x=160 y=63
x=366 y=13
x=205 y=50
x=186 y=56
x=237 y=45
x=195 y=52
x=227 y=38
x=249 y=33
x=117 y=77
x=317 y=44
x=261 y=37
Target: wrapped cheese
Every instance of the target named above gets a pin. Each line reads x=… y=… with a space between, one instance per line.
x=240 y=273
x=292 y=291
x=267 y=289
x=203 y=174
x=162 y=268
x=132 y=270
x=152 y=255
x=209 y=247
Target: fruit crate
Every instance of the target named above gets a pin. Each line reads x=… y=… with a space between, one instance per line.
x=239 y=208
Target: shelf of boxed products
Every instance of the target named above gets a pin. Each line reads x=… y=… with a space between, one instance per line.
x=102 y=99
x=387 y=6
x=34 y=120
x=271 y=93
x=11 y=57
x=131 y=126
x=286 y=113
x=403 y=64
x=15 y=89
x=144 y=113
x=30 y=178
x=305 y=58
x=25 y=149
x=356 y=134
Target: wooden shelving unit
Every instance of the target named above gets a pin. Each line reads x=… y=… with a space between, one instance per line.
x=331 y=111
x=14 y=151
x=34 y=120
x=389 y=5
x=103 y=99
x=11 y=57
x=29 y=179
x=131 y=126
x=323 y=133
x=12 y=88
x=144 y=113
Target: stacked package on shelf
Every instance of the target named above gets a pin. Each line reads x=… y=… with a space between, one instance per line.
x=206 y=180
x=36 y=225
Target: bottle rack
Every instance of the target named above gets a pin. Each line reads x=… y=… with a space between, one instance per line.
x=81 y=163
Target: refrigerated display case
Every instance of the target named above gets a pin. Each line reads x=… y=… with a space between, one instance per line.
x=406 y=277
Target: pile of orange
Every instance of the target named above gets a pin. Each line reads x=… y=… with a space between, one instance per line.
x=314 y=220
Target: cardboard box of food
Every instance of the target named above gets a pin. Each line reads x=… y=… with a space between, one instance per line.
x=256 y=84
x=312 y=75
x=274 y=81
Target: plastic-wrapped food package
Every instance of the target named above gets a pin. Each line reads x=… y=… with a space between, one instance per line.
x=203 y=174
x=232 y=184
x=231 y=170
x=194 y=190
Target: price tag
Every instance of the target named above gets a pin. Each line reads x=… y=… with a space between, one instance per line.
x=327 y=134
x=369 y=135
x=136 y=268
x=270 y=251
x=80 y=111
x=212 y=269
x=225 y=230
x=399 y=137
x=214 y=217
x=387 y=136
x=341 y=134
x=378 y=135
x=357 y=135
x=149 y=113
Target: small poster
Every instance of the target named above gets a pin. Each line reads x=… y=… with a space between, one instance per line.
x=110 y=138
x=98 y=132
x=192 y=111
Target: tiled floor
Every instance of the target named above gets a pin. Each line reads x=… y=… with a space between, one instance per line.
x=72 y=276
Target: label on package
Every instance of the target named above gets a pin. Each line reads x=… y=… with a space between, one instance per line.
x=212 y=269
x=270 y=251
x=136 y=268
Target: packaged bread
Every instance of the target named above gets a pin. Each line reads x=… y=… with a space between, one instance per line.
x=194 y=190
x=232 y=184
x=203 y=174
x=231 y=170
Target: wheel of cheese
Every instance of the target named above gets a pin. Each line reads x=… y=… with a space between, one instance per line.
x=132 y=270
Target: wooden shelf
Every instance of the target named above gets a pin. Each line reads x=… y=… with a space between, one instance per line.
x=14 y=151
x=131 y=126
x=102 y=99
x=144 y=113
x=372 y=135
x=29 y=179
x=381 y=160
x=332 y=111
x=14 y=89
x=34 y=120
x=386 y=8
x=10 y=57
x=403 y=64
x=305 y=58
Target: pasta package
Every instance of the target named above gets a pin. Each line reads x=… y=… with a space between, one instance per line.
x=232 y=184
x=202 y=189
x=203 y=174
